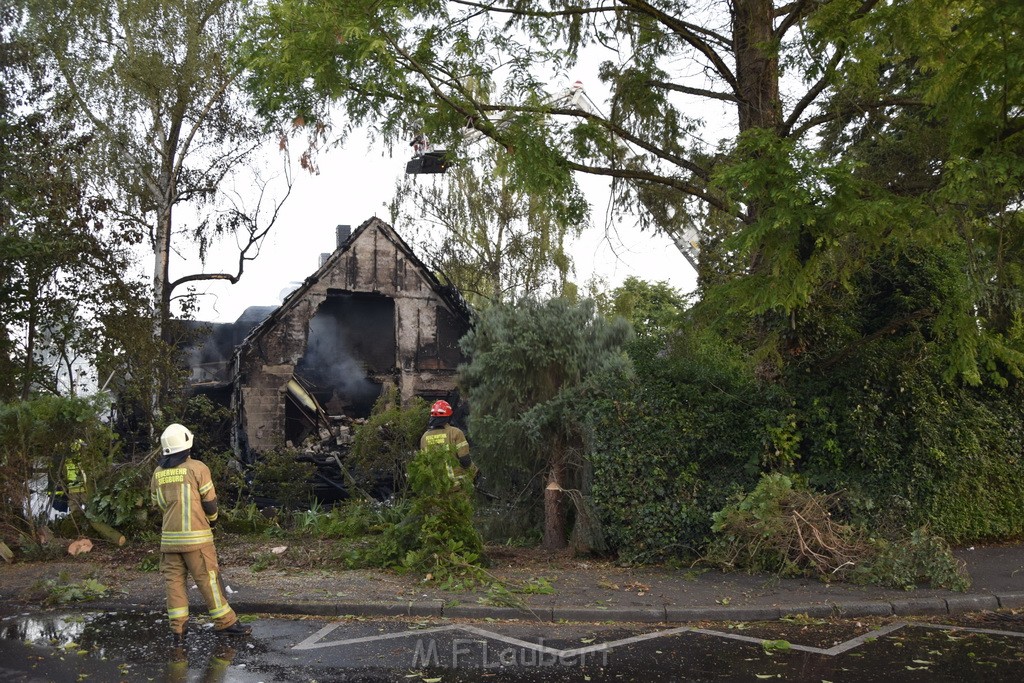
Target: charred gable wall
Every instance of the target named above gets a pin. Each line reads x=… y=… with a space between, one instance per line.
x=371 y=316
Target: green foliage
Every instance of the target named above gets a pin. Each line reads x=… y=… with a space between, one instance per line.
x=353 y=519
x=36 y=436
x=277 y=476
x=121 y=497
x=62 y=590
x=653 y=309
x=532 y=367
x=766 y=530
x=861 y=320
x=61 y=267
x=437 y=537
x=880 y=418
x=227 y=473
x=262 y=561
x=247 y=519
x=500 y=595
x=770 y=646
x=485 y=236
x=385 y=444
x=211 y=424
x=783 y=527
x=158 y=85
x=150 y=563
x=669 y=447
x=922 y=558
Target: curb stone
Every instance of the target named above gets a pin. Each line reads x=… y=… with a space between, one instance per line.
x=866 y=608
x=1011 y=600
x=426 y=609
x=486 y=612
x=317 y=609
x=666 y=614
x=971 y=603
x=815 y=611
x=919 y=606
x=684 y=614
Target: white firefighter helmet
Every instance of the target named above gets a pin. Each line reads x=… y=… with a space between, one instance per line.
x=175 y=439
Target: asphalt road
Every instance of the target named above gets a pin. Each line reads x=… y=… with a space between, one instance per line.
x=134 y=646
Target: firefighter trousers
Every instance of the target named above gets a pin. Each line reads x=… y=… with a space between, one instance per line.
x=202 y=565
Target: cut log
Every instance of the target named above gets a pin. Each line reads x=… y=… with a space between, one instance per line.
x=108 y=532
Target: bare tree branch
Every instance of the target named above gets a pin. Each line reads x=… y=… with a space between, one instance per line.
x=688 y=35
x=813 y=92
x=700 y=92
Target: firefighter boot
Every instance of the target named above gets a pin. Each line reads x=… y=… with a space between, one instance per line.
x=236 y=629
x=178 y=639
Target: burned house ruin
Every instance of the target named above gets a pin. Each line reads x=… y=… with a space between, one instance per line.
x=373 y=316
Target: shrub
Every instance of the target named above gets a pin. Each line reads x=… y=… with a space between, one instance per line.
x=280 y=479
x=247 y=519
x=353 y=519
x=385 y=444
x=922 y=558
x=783 y=527
x=437 y=537
x=37 y=435
x=884 y=416
x=668 y=448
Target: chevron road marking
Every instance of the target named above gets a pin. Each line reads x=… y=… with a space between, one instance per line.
x=317 y=641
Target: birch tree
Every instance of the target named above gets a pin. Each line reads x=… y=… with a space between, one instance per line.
x=174 y=135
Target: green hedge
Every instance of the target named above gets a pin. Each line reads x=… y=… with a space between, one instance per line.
x=669 y=448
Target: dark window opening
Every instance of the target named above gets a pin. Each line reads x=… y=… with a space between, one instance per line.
x=351 y=338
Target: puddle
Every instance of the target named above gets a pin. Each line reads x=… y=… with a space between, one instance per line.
x=115 y=646
x=135 y=646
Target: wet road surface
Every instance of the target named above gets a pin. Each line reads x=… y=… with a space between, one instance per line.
x=135 y=647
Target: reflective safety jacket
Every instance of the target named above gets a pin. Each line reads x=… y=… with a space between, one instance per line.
x=180 y=490
x=74 y=477
x=447 y=435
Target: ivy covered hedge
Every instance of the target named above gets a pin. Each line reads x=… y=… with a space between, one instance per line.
x=887 y=416
x=669 y=448
x=861 y=401
x=910 y=448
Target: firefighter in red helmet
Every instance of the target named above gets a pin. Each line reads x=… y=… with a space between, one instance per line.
x=441 y=432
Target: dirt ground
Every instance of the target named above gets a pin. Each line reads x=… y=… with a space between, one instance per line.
x=304 y=570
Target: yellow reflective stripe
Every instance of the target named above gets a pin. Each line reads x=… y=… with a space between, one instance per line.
x=181 y=538
x=220 y=606
x=220 y=611
x=461 y=444
x=199 y=533
x=213 y=517
x=160 y=500
x=206 y=487
x=177 y=612
x=185 y=499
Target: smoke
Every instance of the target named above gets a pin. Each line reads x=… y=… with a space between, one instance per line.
x=330 y=363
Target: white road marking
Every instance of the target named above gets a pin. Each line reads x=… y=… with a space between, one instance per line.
x=317 y=641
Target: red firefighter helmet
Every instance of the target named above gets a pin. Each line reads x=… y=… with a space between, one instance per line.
x=441 y=409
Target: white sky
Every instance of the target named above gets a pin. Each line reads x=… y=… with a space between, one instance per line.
x=355 y=184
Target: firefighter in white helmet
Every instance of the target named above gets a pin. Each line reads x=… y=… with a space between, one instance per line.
x=183 y=490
